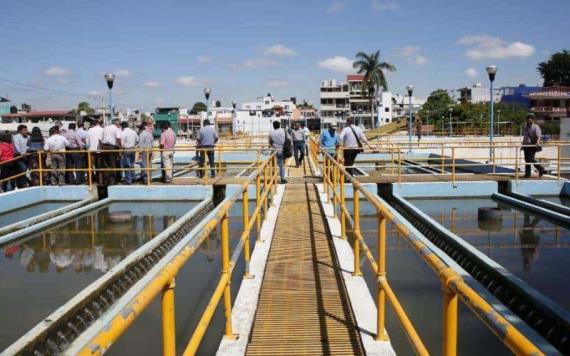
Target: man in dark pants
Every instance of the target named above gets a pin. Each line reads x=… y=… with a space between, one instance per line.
x=206 y=141
x=352 y=139
x=531 y=145
x=298 y=136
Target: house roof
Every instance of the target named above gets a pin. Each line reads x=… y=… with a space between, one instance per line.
x=43 y=113
x=354 y=77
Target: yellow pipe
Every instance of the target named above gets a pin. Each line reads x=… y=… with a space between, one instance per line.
x=449 y=322
x=168 y=321
x=381 y=304
x=228 y=333
x=40 y=166
x=342 y=208
x=245 y=214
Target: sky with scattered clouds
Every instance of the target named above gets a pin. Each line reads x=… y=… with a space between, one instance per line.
x=166 y=52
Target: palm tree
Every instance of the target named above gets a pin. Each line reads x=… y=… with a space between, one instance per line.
x=373 y=69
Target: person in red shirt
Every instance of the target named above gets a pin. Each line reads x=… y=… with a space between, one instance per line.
x=6 y=154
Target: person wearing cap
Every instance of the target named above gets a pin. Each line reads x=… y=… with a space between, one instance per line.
x=531 y=145
x=329 y=139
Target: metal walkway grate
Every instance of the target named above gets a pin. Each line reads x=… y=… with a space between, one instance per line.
x=303 y=306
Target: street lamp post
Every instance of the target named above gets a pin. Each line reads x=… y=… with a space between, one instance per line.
x=410 y=89
x=207 y=92
x=235 y=122
x=498 y=122
x=110 y=78
x=492 y=71
x=450 y=127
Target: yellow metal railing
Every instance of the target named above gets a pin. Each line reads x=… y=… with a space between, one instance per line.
x=265 y=177
x=453 y=286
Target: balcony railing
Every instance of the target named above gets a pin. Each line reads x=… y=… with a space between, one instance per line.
x=550 y=109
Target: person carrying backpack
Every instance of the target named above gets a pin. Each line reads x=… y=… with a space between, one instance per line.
x=280 y=141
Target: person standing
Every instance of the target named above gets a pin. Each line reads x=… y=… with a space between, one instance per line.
x=146 y=143
x=418 y=126
x=531 y=145
x=21 y=141
x=82 y=133
x=206 y=139
x=280 y=141
x=351 y=138
x=307 y=135
x=167 y=143
x=130 y=140
x=111 y=142
x=36 y=145
x=73 y=158
x=94 y=138
x=298 y=136
x=56 y=145
x=7 y=166
x=329 y=140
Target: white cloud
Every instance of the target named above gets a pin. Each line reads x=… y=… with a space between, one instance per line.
x=152 y=84
x=188 y=81
x=471 y=72
x=482 y=47
x=412 y=54
x=95 y=93
x=204 y=59
x=337 y=64
x=57 y=72
x=159 y=101
x=336 y=6
x=254 y=63
x=123 y=73
x=278 y=83
x=381 y=5
x=280 y=51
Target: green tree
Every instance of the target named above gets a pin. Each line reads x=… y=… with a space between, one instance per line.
x=198 y=106
x=556 y=71
x=436 y=107
x=84 y=106
x=373 y=70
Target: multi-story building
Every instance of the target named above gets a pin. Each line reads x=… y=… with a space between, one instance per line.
x=477 y=94
x=4 y=106
x=258 y=116
x=551 y=103
x=518 y=95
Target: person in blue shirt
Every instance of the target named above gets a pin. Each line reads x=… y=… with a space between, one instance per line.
x=329 y=139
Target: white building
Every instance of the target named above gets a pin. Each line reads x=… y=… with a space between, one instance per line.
x=478 y=94
x=258 y=116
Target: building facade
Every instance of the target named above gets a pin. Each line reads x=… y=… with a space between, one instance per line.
x=551 y=103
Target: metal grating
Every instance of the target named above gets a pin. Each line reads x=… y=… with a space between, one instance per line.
x=303 y=306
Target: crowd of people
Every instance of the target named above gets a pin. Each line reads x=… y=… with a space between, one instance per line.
x=66 y=153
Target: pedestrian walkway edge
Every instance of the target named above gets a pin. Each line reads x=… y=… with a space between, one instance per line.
x=245 y=306
x=361 y=300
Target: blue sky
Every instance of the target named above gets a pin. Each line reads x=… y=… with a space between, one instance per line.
x=166 y=52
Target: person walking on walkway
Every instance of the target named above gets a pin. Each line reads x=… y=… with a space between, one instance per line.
x=111 y=142
x=351 y=139
x=56 y=145
x=129 y=140
x=298 y=136
x=146 y=143
x=418 y=124
x=94 y=139
x=280 y=141
x=73 y=160
x=329 y=140
x=206 y=139
x=531 y=145
x=307 y=133
x=167 y=143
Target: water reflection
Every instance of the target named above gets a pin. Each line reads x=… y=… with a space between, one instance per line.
x=529 y=241
x=28 y=211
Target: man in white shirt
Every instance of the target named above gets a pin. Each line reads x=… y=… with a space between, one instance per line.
x=21 y=141
x=94 y=138
x=352 y=139
x=55 y=145
x=129 y=140
x=111 y=142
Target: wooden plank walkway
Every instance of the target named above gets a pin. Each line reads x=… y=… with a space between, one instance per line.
x=303 y=305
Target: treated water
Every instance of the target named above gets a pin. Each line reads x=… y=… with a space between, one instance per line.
x=41 y=272
x=28 y=211
x=419 y=291
x=560 y=200
x=529 y=246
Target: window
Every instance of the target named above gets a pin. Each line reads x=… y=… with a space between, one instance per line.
x=386 y=109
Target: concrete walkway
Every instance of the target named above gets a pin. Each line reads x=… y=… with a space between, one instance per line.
x=303 y=305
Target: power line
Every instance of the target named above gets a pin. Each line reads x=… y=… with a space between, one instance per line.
x=38 y=88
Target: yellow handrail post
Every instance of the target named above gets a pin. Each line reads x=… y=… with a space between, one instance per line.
x=89 y=169
x=342 y=207
x=356 y=231
x=258 y=203
x=453 y=164
x=148 y=165
x=517 y=164
x=168 y=321
x=334 y=186
x=326 y=175
x=450 y=300
x=265 y=204
x=381 y=274
x=399 y=167
x=245 y=214
x=40 y=168
x=228 y=332
x=493 y=157
x=442 y=159
x=559 y=159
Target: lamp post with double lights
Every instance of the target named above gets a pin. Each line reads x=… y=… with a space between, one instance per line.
x=492 y=72
x=410 y=89
x=207 y=92
x=110 y=79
